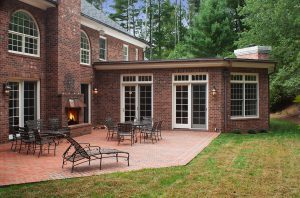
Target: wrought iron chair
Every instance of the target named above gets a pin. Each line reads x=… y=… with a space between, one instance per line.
x=84 y=152
x=26 y=139
x=40 y=141
x=125 y=130
x=147 y=121
x=150 y=133
x=112 y=129
x=56 y=127
x=14 y=137
x=158 y=130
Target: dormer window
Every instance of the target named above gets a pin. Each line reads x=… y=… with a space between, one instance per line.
x=125 y=53
x=23 y=34
x=84 y=49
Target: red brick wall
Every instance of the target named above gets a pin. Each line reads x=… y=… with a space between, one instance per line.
x=115 y=49
x=107 y=102
x=19 y=67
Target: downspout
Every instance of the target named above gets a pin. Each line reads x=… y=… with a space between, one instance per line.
x=225 y=76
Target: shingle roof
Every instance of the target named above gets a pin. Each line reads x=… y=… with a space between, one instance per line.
x=93 y=13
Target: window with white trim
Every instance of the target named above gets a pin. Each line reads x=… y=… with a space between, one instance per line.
x=103 y=48
x=84 y=49
x=23 y=34
x=125 y=53
x=244 y=95
x=136 y=54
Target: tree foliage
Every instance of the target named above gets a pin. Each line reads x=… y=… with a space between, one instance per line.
x=276 y=23
x=211 y=33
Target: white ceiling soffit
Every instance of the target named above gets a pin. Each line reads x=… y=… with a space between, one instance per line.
x=111 y=32
x=42 y=4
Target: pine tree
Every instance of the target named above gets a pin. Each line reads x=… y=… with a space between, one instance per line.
x=211 y=35
x=97 y=3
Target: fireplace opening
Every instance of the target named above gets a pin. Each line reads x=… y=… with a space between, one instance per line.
x=73 y=116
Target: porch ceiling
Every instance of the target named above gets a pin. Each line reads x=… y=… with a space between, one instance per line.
x=186 y=63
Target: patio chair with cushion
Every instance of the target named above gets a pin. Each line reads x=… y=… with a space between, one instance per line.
x=125 y=130
x=84 y=152
x=112 y=129
x=40 y=141
x=147 y=121
x=150 y=133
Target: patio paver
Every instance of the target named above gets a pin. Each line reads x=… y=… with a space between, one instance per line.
x=176 y=148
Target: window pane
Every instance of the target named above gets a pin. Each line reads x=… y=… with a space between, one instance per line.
x=14 y=104
x=102 y=51
x=250 y=99
x=236 y=99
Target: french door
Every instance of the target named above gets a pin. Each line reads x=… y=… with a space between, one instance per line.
x=23 y=102
x=190 y=106
x=136 y=102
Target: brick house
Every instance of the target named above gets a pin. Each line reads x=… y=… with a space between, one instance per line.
x=66 y=59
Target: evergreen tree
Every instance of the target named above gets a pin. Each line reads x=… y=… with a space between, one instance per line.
x=212 y=33
x=97 y=3
x=276 y=23
x=194 y=7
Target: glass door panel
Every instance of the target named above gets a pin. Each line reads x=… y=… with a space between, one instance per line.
x=199 y=106
x=145 y=101
x=129 y=103
x=182 y=105
x=85 y=92
x=29 y=101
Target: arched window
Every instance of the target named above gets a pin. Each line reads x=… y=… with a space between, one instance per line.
x=84 y=49
x=23 y=34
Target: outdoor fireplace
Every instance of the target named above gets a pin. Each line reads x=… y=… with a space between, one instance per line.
x=73 y=116
x=73 y=111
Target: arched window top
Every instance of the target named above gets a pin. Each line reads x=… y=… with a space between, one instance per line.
x=84 y=49
x=22 y=22
x=23 y=34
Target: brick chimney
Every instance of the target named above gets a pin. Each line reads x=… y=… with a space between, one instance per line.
x=254 y=52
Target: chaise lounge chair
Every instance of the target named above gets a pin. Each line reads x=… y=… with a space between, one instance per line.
x=84 y=152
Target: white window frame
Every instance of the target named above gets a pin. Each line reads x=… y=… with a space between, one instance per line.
x=135 y=83
x=125 y=56
x=243 y=81
x=189 y=83
x=136 y=54
x=27 y=36
x=81 y=49
x=105 y=58
x=21 y=100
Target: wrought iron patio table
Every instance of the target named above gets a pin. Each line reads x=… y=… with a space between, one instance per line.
x=136 y=125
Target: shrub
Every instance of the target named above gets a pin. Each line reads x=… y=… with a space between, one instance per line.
x=236 y=131
x=251 y=131
x=263 y=131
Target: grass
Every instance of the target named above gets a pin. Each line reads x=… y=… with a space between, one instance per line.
x=233 y=165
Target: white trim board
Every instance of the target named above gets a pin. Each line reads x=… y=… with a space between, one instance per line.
x=111 y=32
x=42 y=4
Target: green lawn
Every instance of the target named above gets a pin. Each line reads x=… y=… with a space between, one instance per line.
x=258 y=165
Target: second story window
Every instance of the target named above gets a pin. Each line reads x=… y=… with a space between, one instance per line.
x=136 y=54
x=84 y=49
x=23 y=34
x=125 y=53
x=103 y=48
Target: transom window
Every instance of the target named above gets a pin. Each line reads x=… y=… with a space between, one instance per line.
x=190 y=78
x=23 y=34
x=136 y=78
x=244 y=95
x=103 y=48
x=125 y=53
x=84 y=49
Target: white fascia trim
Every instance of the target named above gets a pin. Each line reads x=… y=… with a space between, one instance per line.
x=253 y=50
x=111 y=32
x=42 y=4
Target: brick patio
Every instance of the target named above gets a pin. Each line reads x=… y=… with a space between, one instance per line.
x=176 y=148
